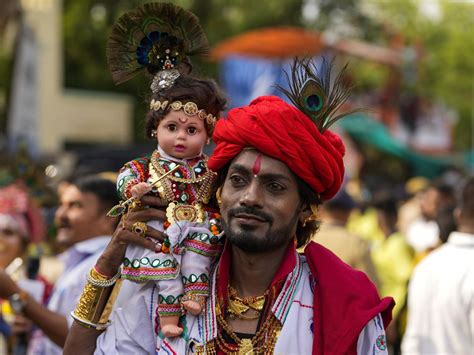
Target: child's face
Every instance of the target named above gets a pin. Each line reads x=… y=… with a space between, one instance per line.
x=180 y=135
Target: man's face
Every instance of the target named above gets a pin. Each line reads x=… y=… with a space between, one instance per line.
x=260 y=203
x=430 y=203
x=12 y=245
x=79 y=217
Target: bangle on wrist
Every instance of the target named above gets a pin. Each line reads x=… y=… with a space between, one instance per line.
x=95 y=295
x=85 y=323
x=97 y=279
x=101 y=274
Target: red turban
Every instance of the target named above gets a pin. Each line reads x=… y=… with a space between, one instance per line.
x=283 y=132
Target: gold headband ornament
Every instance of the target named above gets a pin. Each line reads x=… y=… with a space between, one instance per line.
x=189 y=108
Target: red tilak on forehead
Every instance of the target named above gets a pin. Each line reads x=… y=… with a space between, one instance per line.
x=257 y=165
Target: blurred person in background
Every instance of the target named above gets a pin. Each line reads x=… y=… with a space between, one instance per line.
x=446 y=222
x=363 y=220
x=333 y=234
x=394 y=262
x=423 y=233
x=410 y=209
x=441 y=291
x=21 y=223
x=84 y=230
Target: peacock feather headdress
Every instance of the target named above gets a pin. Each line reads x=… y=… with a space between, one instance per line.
x=155 y=38
x=312 y=91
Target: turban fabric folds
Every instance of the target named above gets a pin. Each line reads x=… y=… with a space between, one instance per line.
x=282 y=132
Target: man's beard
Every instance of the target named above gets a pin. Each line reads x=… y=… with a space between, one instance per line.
x=247 y=241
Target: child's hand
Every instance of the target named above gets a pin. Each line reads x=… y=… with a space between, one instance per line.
x=140 y=189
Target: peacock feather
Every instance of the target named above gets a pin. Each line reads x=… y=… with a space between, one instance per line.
x=153 y=37
x=312 y=91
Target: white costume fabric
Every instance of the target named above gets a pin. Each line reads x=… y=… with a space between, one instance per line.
x=134 y=323
x=441 y=301
x=78 y=260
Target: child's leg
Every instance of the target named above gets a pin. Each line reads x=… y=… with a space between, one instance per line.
x=195 y=275
x=169 y=306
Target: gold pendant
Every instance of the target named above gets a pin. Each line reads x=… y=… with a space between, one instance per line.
x=245 y=347
x=258 y=304
x=192 y=213
x=237 y=308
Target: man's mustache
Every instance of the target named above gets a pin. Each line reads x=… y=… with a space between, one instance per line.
x=63 y=223
x=250 y=211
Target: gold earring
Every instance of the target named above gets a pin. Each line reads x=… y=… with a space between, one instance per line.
x=218 y=196
x=313 y=216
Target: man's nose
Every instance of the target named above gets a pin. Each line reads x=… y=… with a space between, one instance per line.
x=59 y=214
x=252 y=195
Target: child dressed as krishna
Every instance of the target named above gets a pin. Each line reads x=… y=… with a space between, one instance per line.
x=183 y=112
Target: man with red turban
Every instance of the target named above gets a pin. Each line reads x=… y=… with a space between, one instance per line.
x=269 y=151
x=276 y=166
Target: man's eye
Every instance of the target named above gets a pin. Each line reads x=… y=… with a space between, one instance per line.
x=192 y=131
x=7 y=232
x=274 y=186
x=172 y=127
x=236 y=180
x=75 y=204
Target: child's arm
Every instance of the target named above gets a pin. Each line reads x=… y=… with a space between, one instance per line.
x=140 y=189
x=131 y=181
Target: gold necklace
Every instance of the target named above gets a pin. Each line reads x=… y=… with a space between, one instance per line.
x=237 y=306
x=203 y=185
x=267 y=335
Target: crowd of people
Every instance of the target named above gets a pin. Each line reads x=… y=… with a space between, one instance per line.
x=267 y=247
x=432 y=287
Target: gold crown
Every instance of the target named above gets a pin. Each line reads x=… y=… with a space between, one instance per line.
x=190 y=109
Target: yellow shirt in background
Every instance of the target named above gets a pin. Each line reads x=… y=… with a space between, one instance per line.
x=394 y=262
x=365 y=225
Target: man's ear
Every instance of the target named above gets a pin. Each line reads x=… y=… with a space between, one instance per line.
x=305 y=213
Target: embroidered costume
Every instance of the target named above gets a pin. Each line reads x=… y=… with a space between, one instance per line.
x=182 y=267
x=322 y=307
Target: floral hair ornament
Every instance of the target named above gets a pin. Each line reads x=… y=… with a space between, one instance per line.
x=157 y=38
x=189 y=108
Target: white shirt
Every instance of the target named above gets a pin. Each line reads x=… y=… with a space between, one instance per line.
x=78 y=259
x=134 y=323
x=441 y=301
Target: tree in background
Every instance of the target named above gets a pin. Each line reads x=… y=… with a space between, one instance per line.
x=441 y=29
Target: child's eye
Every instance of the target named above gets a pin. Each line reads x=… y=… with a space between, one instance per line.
x=192 y=130
x=172 y=127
